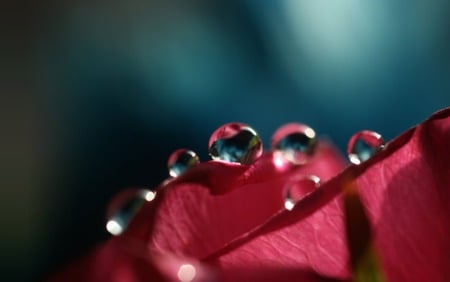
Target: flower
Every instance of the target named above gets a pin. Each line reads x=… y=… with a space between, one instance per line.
x=226 y=222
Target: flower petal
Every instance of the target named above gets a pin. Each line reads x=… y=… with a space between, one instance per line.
x=406 y=192
x=115 y=261
x=122 y=260
x=271 y=274
x=188 y=218
x=316 y=242
x=408 y=199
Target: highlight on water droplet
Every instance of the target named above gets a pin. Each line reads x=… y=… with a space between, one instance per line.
x=235 y=143
x=114 y=227
x=186 y=272
x=297 y=188
x=363 y=145
x=295 y=141
x=181 y=160
x=149 y=195
x=124 y=206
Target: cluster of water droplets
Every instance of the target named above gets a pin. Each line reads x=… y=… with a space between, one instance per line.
x=238 y=143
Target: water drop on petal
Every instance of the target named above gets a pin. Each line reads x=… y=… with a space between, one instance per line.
x=180 y=161
x=298 y=188
x=124 y=207
x=236 y=143
x=297 y=142
x=363 y=145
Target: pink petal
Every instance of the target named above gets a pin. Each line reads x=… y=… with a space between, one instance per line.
x=115 y=261
x=407 y=195
x=273 y=274
x=406 y=192
x=189 y=218
x=316 y=242
x=121 y=260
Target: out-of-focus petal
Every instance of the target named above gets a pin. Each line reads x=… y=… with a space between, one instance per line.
x=121 y=260
x=117 y=261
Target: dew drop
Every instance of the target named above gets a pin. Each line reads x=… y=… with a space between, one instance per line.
x=236 y=143
x=297 y=189
x=297 y=142
x=124 y=207
x=363 y=145
x=181 y=160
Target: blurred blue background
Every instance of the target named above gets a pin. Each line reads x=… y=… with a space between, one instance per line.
x=99 y=93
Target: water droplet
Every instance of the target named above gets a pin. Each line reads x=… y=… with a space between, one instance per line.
x=236 y=143
x=186 y=272
x=181 y=160
x=297 y=189
x=297 y=142
x=363 y=145
x=124 y=207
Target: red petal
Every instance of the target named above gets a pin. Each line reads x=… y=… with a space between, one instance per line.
x=408 y=199
x=317 y=242
x=115 y=261
x=273 y=274
x=406 y=191
x=187 y=219
x=121 y=260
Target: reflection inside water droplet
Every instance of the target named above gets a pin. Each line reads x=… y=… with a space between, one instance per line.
x=297 y=189
x=363 y=145
x=186 y=272
x=236 y=143
x=181 y=160
x=297 y=142
x=124 y=207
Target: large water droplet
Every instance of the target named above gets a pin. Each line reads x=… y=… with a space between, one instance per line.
x=124 y=207
x=181 y=160
x=235 y=142
x=297 y=189
x=363 y=145
x=297 y=142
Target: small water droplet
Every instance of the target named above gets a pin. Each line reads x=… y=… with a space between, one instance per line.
x=181 y=160
x=124 y=207
x=236 y=143
x=297 y=142
x=363 y=145
x=297 y=189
